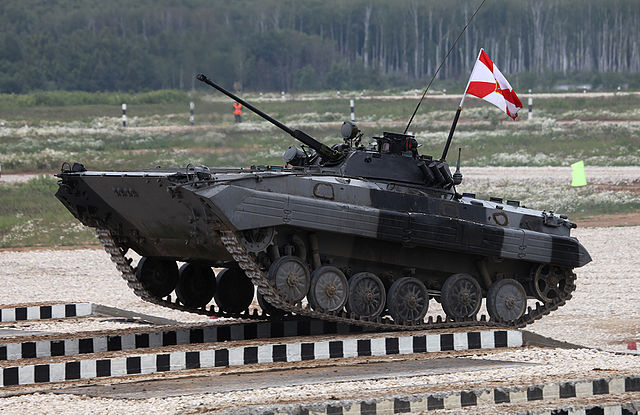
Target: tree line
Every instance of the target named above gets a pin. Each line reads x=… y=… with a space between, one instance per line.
x=310 y=44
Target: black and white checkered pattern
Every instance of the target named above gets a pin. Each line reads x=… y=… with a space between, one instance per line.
x=483 y=397
x=193 y=335
x=44 y=312
x=244 y=331
x=627 y=408
x=246 y=355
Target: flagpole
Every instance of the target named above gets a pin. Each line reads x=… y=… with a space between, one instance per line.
x=453 y=128
x=457 y=116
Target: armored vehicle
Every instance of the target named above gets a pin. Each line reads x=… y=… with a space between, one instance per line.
x=363 y=234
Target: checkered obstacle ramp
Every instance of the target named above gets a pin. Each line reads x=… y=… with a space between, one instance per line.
x=219 y=354
x=44 y=312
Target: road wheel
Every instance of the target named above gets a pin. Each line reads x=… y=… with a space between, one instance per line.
x=506 y=300
x=329 y=289
x=408 y=300
x=234 y=290
x=366 y=295
x=461 y=296
x=158 y=276
x=196 y=285
x=291 y=276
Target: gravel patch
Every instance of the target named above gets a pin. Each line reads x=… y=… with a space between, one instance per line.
x=604 y=310
x=76 y=325
x=552 y=365
x=86 y=275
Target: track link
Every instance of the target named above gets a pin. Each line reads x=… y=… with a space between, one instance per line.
x=247 y=262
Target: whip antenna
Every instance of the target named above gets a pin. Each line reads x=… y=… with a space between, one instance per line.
x=442 y=63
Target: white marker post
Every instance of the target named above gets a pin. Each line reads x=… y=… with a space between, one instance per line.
x=124 y=115
x=530 y=115
x=191 y=108
x=353 y=114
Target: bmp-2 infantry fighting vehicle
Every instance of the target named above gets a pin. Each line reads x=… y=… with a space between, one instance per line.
x=366 y=235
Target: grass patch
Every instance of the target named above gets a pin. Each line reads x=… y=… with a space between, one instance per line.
x=73 y=98
x=32 y=216
x=544 y=142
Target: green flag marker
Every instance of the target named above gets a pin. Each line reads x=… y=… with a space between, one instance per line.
x=578 y=178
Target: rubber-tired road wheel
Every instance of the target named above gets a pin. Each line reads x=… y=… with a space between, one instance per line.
x=366 y=295
x=408 y=300
x=158 y=276
x=234 y=290
x=461 y=296
x=196 y=285
x=506 y=300
x=291 y=276
x=329 y=289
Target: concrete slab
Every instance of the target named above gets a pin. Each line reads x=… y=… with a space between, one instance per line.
x=220 y=383
x=103 y=310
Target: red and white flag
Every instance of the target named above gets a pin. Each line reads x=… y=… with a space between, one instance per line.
x=488 y=83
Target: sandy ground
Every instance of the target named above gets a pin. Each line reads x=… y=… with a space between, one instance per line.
x=86 y=275
x=605 y=309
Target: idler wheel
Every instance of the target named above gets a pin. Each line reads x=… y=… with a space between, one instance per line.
x=291 y=276
x=461 y=296
x=196 y=285
x=549 y=281
x=408 y=300
x=270 y=309
x=234 y=290
x=158 y=276
x=506 y=300
x=329 y=289
x=366 y=295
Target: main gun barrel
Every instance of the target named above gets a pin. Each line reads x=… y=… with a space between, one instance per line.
x=322 y=149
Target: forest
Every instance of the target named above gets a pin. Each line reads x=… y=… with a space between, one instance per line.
x=290 y=45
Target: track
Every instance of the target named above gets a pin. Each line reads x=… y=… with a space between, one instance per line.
x=252 y=269
x=43 y=358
